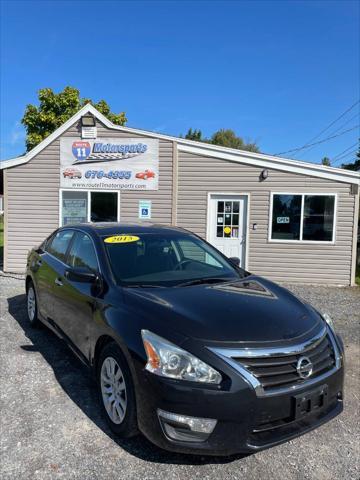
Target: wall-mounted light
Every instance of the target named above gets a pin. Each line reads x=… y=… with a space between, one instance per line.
x=264 y=175
x=254 y=226
x=88 y=121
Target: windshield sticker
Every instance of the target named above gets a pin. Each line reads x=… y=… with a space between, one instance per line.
x=121 y=239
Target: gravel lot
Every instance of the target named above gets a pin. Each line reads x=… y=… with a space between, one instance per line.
x=51 y=426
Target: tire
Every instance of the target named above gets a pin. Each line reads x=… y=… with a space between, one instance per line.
x=116 y=391
x=32 y=307
x=145 y=177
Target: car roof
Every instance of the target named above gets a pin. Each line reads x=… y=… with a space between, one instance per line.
x=117 y=228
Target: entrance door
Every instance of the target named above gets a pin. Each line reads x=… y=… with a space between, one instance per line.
x=227 y=225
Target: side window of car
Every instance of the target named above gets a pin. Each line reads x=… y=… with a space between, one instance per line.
x=59 y=243
x=82 y=253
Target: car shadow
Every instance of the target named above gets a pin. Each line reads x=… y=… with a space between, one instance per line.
x=78 y=383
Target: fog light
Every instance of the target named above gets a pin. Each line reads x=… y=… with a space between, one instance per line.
x=184 y=428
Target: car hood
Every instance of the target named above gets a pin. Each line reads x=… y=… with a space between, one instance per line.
x=248 y=310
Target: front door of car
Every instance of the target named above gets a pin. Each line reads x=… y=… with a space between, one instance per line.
x=227 y=224
x=75 y=305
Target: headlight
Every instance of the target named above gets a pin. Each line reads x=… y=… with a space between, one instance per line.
x=328 y=320
x=168 y=360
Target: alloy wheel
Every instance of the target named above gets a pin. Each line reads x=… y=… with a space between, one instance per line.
x=31 y=304
x=113 y=390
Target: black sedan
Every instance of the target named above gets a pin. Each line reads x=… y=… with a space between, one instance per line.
x=187 y=348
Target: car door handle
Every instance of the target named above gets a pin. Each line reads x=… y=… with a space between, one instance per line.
x=58 y=282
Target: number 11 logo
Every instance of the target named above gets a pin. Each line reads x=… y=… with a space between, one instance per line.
x=81 y=150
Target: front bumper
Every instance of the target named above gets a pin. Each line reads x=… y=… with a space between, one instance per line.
x=246 y=423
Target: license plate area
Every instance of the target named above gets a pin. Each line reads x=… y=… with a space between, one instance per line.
x=310 y=402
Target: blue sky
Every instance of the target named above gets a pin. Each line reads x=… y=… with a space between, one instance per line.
x=277 y=72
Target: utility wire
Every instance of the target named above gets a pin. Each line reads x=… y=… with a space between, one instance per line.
x=340 y=154
x=308 y=149
x=320 y=141
x=341 y=159
x=344 y=124
x=308 y=143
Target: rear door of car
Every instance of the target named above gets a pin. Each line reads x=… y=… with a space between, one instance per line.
x=49 y=266
x=56 y=261
x=76 y=301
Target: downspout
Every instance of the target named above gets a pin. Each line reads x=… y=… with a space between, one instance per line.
x=174 y=196
x=354 y=239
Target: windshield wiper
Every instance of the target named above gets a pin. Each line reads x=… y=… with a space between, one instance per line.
x=200 y=281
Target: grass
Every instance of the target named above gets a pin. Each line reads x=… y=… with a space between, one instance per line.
x=357 y=275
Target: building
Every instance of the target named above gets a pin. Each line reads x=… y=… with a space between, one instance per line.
x=290 y=221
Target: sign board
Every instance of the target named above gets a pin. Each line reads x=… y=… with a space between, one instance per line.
x=88 y=132
x=282 y=220
x=144 y=209
x=109 y=163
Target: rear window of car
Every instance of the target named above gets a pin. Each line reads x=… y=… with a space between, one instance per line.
x=59 y=243
x=82 y=253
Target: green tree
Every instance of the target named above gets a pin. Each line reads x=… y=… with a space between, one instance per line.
x=55 y=109
x=224 y=137
x=228 y=138
x=353 y=166
x=194 y=135
x=326 y=161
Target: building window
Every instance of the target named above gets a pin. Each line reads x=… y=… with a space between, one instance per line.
x=318 y=222
x=103 y=206
x=74 y=207
x=303 y=217
x=88 y=206
x=286 y=217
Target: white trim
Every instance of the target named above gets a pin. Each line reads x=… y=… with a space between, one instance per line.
x=198 y=148
x=247 y=224
x=89 y=191
x=300 y=241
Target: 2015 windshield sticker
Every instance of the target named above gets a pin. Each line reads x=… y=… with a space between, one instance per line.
x=121 y=239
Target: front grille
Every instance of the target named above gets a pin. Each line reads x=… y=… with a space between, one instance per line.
x=280 y=371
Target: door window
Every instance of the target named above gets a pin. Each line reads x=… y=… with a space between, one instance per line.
x=82 y=253
x=227 y=219
x=59 y=244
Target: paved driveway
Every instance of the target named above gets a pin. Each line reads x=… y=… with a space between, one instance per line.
x=51 y=426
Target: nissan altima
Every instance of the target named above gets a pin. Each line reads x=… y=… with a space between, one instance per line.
x=186 y=347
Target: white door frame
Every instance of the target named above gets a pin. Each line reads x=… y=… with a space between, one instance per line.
x=61 y=190
x=247 y=224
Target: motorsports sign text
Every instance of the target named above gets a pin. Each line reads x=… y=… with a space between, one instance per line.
x=109 y=163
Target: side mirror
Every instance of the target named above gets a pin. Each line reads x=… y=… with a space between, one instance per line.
x=81 y=275
x=235 y=261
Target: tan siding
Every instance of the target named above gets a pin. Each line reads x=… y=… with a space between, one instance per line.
x=290 y=262
x=32 y=209
x=33 y=197
x=32 y=203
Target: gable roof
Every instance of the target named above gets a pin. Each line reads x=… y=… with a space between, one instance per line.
x=199 y=148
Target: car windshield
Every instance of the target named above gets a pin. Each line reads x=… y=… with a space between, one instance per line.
x=166 y=260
